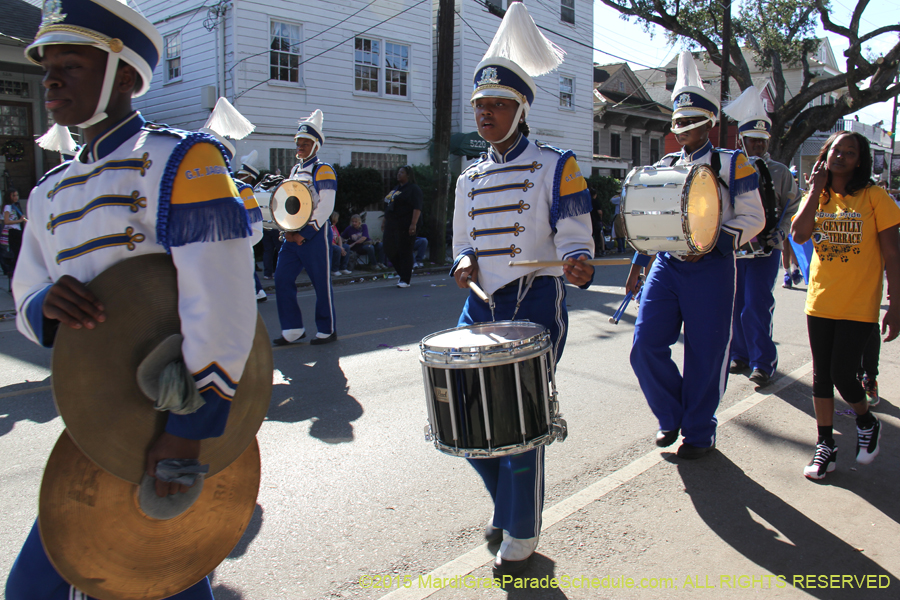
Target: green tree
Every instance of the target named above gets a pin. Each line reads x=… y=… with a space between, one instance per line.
x=781 y=34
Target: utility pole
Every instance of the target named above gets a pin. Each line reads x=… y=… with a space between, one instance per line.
x=443 y=107
x=723 y=90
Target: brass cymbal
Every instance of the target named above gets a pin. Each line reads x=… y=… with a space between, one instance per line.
x=94 y=373
x=100 y=541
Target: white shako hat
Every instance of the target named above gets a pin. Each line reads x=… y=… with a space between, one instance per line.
x=109 y=25
x=248 y=165
x=226 y=122
x=311 y=129
x=518 y=52
x=748 y=110
x=689 y=98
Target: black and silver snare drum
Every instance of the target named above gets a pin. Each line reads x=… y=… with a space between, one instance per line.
x=490 y=389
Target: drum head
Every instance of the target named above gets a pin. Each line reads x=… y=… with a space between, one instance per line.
x=495 y=343
x=291 y=205
x=702 y=206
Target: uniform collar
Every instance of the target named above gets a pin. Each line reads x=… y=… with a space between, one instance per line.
x=309 y=161
x=107 y=142
x=514 y=152
x=703 y=151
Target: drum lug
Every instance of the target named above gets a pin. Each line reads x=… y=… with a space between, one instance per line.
x=429 y=437
x=559 y=430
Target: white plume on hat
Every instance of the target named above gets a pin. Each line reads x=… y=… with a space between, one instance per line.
x=58 y=139
x=226 y=122
x=518 y=39
x=746 y=108
x=688 y=84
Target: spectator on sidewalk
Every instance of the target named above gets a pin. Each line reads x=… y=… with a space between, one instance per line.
x=401 y=217
x=359 y=241
x=420 y=252
x=340 y=252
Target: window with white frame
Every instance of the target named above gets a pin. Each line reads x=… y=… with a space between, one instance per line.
x=381 y=68
x=396 y=69
x=285 y=52
x=173 y=57
x=567 y=11
x=566 y=92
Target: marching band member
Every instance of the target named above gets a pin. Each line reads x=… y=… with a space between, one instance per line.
x=694 y=290
x=309 y=248
x=134 y=188
x=522 y=200
x=226 y=122
x=754 y=305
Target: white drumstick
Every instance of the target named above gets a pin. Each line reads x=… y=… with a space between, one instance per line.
x=478 y=291
x=597 y=262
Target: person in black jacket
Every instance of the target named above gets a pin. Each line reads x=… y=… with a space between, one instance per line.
x=401 y=216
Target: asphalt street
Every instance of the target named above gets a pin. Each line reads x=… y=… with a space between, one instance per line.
x=354 y=503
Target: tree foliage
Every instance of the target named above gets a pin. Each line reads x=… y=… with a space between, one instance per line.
x=781 y=34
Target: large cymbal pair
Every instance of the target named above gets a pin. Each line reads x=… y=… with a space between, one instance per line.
x=91 y=524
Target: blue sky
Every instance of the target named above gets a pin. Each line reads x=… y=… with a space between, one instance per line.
x=628 y=40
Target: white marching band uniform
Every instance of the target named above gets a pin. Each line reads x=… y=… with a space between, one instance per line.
x=137 y=189
x=531 y=203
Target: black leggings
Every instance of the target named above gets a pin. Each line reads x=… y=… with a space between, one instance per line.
x=837 y=349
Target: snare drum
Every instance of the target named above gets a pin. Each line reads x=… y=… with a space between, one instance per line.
x=292 y=204
x=672 y=209
x=490 y=389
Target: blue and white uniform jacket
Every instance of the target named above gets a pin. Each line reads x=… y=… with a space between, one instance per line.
x=742 y=211
x=787 y=193
x=145 y=189
x=325 y=182
x=531 y=203
x=254 y=212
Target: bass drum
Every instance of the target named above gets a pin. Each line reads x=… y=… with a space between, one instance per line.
x=292 y=204
x=672 y=209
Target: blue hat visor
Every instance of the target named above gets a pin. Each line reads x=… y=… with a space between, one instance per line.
x=760 y=128
x=491 y=81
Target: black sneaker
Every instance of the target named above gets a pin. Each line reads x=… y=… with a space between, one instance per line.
x=824 y=461
x=867 y=447
x=738 y=366
x=760 y=378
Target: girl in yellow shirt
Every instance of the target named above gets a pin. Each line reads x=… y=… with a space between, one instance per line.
x=853 y=224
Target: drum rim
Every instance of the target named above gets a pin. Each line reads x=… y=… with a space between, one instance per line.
x=310 y=190
x=495 y=355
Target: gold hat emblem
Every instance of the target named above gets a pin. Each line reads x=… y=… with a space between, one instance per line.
x=116 y=45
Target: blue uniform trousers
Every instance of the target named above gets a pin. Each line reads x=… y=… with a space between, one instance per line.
x=699 y=295
x=314 y=255
x=33 y=577
x=516 y=482
x=754 y=308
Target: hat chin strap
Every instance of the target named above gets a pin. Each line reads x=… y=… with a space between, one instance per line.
x=315 y=151
x=515 y=124
x=677 y=130
x=109 y=78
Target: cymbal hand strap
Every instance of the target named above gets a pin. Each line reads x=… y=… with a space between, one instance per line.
x=177 y=391
x=180 y=470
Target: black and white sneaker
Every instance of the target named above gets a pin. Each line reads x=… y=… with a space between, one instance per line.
x=867 y=447
x=824 y=461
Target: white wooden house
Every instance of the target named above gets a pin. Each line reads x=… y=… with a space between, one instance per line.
x=368 y=66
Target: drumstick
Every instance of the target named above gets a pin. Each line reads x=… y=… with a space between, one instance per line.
x=561 y=263
x=618 y=314
x=478 y=291
x=621 y=310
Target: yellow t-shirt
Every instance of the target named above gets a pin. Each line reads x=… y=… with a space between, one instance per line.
x=847 y=267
